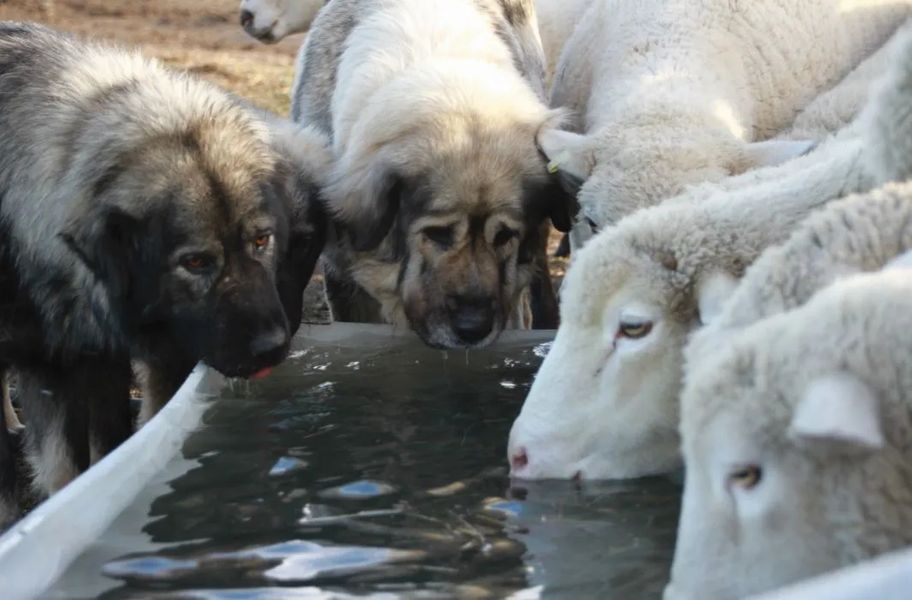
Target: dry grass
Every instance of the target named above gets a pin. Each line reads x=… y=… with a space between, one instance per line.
x=201 y=36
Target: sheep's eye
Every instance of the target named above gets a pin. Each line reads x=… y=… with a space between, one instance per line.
x=262 y=241
x=442 y=236
x=746 y=477
x=197 y=263
x=504 y=236
x=635 y=331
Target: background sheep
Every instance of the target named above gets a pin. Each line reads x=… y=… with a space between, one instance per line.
x=796 y=439
x=271 y=20
x=637 y=291
x=557 y=19
x=673 y=93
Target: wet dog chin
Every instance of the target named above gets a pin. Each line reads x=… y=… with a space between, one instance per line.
x=444 y=338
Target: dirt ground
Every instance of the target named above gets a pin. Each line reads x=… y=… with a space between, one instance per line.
x=203 y=37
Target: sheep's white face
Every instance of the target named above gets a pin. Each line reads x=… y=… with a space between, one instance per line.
x=603 y=404
x=749 y=519
x=271 y=20
x=774 y=495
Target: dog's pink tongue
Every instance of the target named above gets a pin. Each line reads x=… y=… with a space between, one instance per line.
x=262 y=373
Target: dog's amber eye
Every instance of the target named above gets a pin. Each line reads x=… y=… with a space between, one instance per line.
x=635 y=331
x=504 y=236
x=442 y=236
x=746 y=477
x=196 y=262
x=262 y=241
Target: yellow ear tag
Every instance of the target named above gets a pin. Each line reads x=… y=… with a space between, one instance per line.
x=554 y=165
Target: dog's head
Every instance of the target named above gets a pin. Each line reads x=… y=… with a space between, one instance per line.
x=442 y=200
x=202 y=228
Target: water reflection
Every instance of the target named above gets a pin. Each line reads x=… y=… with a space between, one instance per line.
x=383 y=473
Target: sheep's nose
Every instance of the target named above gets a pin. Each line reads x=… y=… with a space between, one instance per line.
x=246 y=19
x=269 y=342
x=472 y=318
x=519 y=460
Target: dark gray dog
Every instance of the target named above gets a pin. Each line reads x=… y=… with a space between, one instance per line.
x=440 y=194
x=145 y=217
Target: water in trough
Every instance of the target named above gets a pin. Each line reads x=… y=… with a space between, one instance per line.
x=371 y=465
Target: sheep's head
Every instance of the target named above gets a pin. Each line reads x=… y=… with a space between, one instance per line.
x=619 y=170
x=272 y=20
x=795 y=437
x=604 y=403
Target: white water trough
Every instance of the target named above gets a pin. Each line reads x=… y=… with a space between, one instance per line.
x=39 y=549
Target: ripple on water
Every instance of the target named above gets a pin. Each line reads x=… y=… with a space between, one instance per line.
x=379 y=472
x=359 y=490
x=295 y=561
x=287 y=465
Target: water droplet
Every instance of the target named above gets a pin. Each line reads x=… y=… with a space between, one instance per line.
x=542 y=350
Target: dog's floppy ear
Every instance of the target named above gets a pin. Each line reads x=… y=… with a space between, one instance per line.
x=298 y=181
x=107 y=240
x=365 y=204
x=562 y=204
x=568 y=157
x=306 y=238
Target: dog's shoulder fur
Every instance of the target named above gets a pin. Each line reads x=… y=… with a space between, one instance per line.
x=514 y=21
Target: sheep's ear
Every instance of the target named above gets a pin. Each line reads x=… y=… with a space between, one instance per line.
x=903 y=261
x=774 y=152
x=713 y=290
x=838 y=408
x=569 y=155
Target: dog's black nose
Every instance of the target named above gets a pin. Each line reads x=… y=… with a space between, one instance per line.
x=272 y=341
x=472 y=318
x=246 y=19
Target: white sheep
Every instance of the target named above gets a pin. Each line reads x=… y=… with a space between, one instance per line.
x=557 y=20
x=272 y=20
x=604 y=403
x=852 y=235
x=840 y=105
x=673 y=93
x=796 y=438
x=857 y=234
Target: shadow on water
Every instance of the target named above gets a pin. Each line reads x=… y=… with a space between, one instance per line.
x=355 y=471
